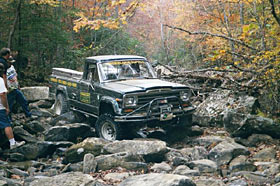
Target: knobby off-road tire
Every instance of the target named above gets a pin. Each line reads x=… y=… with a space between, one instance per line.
x=60 y=105
x=108 y=129
x=185 y=121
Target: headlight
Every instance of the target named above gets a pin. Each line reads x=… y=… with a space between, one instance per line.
x=185 y=95
x=130 y=101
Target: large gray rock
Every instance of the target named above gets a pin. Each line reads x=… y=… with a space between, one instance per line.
x=156 y=179
x=244 y=125
x=211 y=111
x=151 y=150
x=204 y=166
x=90 y=145
x=69 y=132
x=225 y=151
x=35 y=93
x=123 y=159
x=40 y=149
x=66 y=179
x=194 y=153
x=20 y=133
x=209 y=182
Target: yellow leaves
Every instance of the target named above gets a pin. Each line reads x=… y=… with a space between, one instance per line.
x=45 y=2
x=110 y=15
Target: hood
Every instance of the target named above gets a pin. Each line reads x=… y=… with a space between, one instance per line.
x=140 y=85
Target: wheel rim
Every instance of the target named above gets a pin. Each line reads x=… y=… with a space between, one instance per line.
x=57 y=108
x=108 y=131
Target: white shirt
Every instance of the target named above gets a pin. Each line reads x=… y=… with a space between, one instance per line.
x=12 y=78
x=2 y=90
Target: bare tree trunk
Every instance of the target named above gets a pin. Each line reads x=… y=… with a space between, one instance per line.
x=162 y=34
x=12 y=31
x=241 y=12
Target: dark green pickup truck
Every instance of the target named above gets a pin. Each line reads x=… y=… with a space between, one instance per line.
x=120 y=91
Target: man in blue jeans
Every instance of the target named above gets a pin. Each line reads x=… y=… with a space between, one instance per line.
x=15 y=93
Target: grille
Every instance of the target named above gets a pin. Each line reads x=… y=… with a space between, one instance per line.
x=171 y=97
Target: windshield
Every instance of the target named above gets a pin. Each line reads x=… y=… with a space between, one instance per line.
x=121 y=70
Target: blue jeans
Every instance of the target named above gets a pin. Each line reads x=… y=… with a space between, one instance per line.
x=17 y=95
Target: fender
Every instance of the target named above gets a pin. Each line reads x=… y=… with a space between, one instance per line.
x=112 y=102
x=63 y=89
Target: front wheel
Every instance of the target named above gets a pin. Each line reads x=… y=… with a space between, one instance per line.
x=185 y=121
x=107 y=128
x=60 y=105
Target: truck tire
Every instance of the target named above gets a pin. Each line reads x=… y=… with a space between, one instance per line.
x=185 y=121
x=60 y=105
x=107 y=128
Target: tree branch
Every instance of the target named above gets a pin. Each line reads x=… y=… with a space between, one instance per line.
x=214 y=35
x=274 y=12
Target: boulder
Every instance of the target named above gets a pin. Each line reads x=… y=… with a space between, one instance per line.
x=242 y=125
x=70 y=132
x=225 y=151
x=35 y=93
x=65 y=179
x=211 y=111
x=123 y=159
x=161 y=167
x=204 y=166
x=156 y=179
x=151 y=150
x=90 y=145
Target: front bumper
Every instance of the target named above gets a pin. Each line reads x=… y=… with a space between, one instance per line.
x=150 y=114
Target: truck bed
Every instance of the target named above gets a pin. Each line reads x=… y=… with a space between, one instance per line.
x=65 y=72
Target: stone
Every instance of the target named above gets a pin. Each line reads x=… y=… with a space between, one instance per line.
x=185 y=171
x=117 y=177
x=89 y=164
x=69 y=132
x=151 y=150
x=65 y=179
x=204 y=166
x=156 y=179
x=225 y=151
x=35 y=93
x=161 y=167
x=266 y=154
x=90 y=145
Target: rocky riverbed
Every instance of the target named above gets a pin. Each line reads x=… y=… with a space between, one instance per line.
x=226 y=145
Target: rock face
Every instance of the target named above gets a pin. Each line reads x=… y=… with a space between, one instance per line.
x=155 y=179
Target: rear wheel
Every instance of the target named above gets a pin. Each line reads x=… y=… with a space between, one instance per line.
x=60 y=105
x=107 y=128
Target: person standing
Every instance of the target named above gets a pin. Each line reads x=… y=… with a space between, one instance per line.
x=5 y=53
x=14 y=92
x=4 y=111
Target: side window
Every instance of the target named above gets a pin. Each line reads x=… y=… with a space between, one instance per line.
x=89 y=75
x=95 y=77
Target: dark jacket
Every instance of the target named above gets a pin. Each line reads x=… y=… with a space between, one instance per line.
x=4 y=62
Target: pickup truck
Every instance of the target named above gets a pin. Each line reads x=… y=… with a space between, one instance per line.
x=121 y=92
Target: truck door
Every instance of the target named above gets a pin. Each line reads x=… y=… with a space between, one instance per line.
x=87 y=91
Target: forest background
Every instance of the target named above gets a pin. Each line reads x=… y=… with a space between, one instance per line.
x=236 y=37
